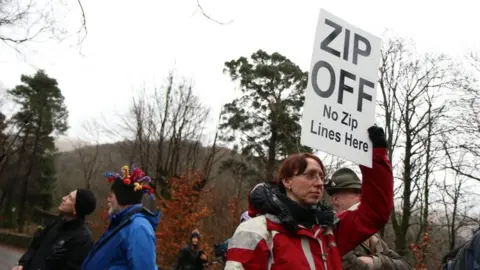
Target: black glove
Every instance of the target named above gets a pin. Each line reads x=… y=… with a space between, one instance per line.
x=377 y=136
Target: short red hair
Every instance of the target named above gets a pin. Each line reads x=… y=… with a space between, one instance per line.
x=295 y=165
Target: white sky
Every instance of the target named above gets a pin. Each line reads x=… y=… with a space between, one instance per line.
x=135 y=42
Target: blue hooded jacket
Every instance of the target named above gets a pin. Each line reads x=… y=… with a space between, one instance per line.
x=131 y=247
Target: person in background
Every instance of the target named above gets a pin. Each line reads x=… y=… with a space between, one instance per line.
x=244 y=217
x=221 y=248
x=291 y=230
x=191 y=257
x=465 y=256
x=129 y=242
x=345 y=192
x=64 y=243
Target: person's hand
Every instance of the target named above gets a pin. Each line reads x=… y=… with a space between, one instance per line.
x=203 y=257
x=377 y=136
x=18 y=267
x=367 y=260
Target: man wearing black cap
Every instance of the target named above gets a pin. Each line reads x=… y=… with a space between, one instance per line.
x=63 y=244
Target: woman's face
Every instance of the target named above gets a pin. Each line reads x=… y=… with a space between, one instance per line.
x=306 y=188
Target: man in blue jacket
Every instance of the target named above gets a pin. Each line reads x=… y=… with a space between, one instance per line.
x=129 y=242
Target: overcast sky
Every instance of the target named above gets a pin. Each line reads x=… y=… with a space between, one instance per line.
x=134 y=42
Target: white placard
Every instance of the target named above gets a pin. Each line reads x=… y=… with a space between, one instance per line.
x=340 y=96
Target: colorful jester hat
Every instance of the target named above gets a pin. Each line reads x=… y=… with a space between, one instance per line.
x=129 y=187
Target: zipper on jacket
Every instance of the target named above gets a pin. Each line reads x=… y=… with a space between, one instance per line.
x=324 y=255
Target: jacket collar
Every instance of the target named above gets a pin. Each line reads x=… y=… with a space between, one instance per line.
x=116 y=217
x=274 y=224
x=354 y=207
x=71 y=224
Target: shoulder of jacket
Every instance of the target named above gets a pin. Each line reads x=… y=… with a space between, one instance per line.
x=257 y=222
x=137 y=223
x=256 y=225
x=249 y=234
x=138 y=218
x=80 y=236
x=85 y=235
x=354 y=207
x=86 y=230
x=342 y=213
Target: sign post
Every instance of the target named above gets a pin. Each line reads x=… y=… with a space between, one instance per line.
x=340 y=96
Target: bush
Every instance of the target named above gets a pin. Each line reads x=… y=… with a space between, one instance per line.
x=181 y=214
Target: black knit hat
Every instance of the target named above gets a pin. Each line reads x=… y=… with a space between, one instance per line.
x=195 y=233
x=129 y=187
x=85 y=203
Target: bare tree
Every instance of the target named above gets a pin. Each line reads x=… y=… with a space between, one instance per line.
x=88 y=153
x=389 y=82
x=465 y=140
x=411 y=86
x=455 y=198
x=22 y=21
x=144 y=127
x=166 y=126
x=199 y=7
x=431 y=138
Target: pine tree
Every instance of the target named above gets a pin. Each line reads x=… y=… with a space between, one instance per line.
x=41 y=101
x=264 y=121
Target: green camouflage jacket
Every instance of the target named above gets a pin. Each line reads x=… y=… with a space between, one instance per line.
x=383 y=257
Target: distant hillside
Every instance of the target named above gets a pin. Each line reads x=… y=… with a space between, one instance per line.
x=71 y=170
x=65 y=144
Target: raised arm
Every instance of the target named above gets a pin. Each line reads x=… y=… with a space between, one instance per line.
x=376 y=204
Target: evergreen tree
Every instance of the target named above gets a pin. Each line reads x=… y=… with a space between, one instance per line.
x=264 y=122
x=42 y=102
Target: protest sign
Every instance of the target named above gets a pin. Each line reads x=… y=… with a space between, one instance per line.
x=340 y=96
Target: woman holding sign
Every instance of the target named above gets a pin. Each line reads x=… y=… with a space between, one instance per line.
x=292 y=232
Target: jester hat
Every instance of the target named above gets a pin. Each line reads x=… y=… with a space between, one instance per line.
x=129 y=186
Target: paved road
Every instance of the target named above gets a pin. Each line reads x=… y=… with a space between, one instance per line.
x=8 y=258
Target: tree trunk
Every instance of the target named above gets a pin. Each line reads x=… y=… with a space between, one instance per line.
x=8 y=220
x=272 y=147
x=24 y=190
x=160 y=177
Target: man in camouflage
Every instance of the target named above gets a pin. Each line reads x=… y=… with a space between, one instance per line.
x=373 y=253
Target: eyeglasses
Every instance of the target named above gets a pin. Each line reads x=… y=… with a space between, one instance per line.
x=313 y=175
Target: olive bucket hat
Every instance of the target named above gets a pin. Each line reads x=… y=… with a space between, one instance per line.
x=344 y=179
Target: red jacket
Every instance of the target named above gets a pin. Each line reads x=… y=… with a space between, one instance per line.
x=263 y=243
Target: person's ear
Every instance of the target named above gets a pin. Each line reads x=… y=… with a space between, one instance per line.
x=334 y=198
x=287 y=183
